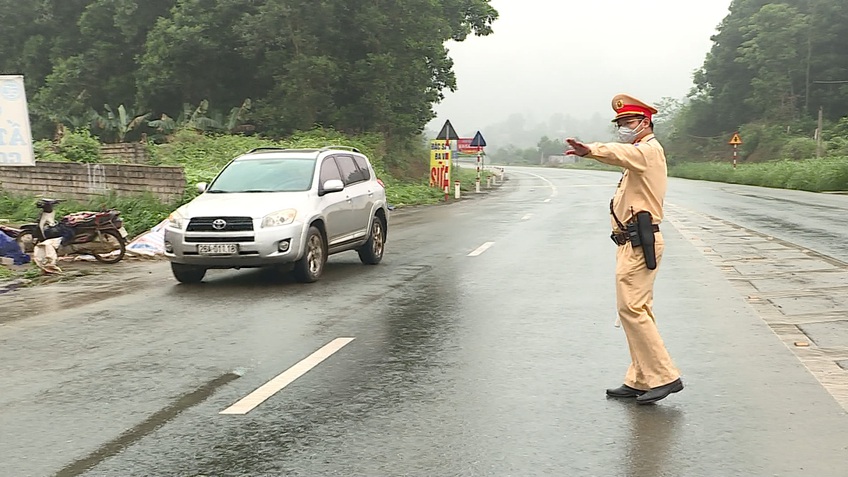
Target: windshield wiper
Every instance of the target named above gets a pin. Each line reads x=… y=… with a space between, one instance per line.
x=217 y=191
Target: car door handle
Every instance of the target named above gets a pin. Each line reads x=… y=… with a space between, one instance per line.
x=348 y=199
x=370 y=194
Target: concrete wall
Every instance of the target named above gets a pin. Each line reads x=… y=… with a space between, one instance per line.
x=85 y=181
x=133 y=153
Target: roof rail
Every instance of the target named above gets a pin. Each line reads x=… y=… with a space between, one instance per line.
x=266 y=148
x=273 y=148
x=348 y=148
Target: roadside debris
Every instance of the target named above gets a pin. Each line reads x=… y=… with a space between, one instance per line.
x=46 y=256
x=151 y=243
x=9 y=247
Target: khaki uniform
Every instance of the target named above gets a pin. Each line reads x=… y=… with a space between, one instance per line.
x=642 y=188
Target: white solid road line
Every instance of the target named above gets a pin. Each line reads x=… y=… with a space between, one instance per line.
x=481 y=249
x=257 y=397
x=554 y=191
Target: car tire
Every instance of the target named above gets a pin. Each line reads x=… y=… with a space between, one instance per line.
x=187 y=273
x=311 y=265
x=371 y=252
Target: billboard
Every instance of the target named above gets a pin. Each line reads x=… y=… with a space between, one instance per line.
x=15 y=133
x=464 y=146
x=440 y=163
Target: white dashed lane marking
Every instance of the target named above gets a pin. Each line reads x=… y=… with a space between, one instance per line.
x=481 y=249
x=257 y=397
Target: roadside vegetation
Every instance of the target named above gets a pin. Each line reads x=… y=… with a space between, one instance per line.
x=139 y=213
x=814 y=175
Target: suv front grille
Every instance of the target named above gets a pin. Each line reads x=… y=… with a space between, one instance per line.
x=220 y=239
x=232 y=224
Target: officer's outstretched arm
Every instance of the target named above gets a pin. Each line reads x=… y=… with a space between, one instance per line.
x=627 y=156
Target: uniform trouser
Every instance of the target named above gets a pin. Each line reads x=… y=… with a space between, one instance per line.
x=650 y=366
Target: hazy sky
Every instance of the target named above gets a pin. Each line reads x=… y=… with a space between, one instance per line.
x=572 y=57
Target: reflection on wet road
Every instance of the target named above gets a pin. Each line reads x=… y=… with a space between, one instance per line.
x=481 y=346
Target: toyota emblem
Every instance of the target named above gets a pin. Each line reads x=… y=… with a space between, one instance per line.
x=219 y=224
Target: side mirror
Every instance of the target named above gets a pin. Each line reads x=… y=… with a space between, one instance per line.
x=201 y=187
x=332 y=185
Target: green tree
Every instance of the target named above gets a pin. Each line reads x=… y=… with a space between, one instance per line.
x=193 y=55
x=772 y=64
x=551 y=147
x=360 y=65
x=102 y=39
x=774 y=52
x=353 y=65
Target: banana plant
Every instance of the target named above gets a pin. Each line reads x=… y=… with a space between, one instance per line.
x=165 y=124
x=201 y=119
x=198 y=118
x=238 y=116
x=121 y=123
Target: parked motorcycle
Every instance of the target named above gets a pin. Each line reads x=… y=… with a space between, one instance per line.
x=98 y=234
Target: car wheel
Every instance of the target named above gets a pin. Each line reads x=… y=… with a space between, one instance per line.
x=371 y=253
x=187 y=273
x=310 y=266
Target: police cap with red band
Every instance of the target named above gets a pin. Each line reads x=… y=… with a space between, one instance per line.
x=625 y=105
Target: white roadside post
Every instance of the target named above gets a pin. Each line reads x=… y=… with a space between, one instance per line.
x=456 y=185
x=477 y=182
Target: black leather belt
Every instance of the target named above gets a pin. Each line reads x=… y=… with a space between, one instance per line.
x=621 y=238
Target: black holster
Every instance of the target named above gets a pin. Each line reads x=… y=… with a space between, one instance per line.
x=641 y=234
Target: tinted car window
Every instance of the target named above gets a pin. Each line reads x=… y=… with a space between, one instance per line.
x=363 y=167
x=329 y=171
x=350 y=173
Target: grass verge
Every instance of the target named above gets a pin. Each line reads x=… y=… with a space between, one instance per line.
x=814 y=175
x=140 y=214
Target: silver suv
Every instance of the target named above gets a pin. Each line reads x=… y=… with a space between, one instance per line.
x=273 y=206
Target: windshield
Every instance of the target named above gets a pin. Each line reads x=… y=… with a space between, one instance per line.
x=265 y=175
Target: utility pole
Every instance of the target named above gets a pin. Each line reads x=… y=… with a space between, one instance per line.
x=819 y=135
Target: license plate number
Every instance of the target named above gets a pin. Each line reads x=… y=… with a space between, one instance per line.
x=123 y=232
x=217 y=249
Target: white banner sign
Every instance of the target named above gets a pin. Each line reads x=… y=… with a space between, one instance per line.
x=15 y=134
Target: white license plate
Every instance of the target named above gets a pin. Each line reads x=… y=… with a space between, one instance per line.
x=123 y=232
x=217 y=249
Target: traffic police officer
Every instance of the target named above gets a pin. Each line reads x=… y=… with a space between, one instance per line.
x=636 y=211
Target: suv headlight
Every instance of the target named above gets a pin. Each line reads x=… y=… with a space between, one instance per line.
x=176 y=220
x=281 y=217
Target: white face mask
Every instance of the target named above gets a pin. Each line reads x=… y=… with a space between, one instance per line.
x=627 y=135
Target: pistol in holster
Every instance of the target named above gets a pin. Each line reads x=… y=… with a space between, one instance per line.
x=640 y=232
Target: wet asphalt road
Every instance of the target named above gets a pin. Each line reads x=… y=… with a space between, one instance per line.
x=493 y=364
